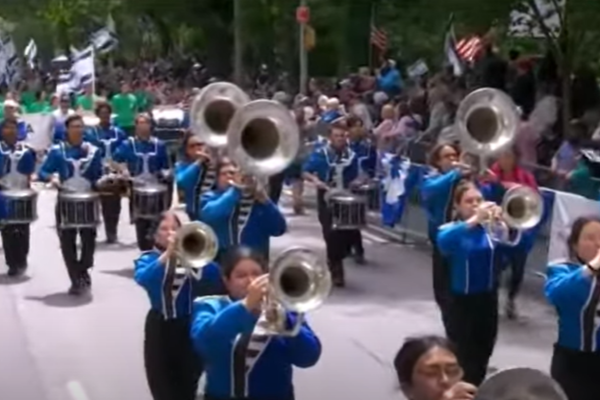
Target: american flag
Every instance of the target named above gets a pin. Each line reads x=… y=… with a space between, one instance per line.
x=379 y=38
x=468 y=48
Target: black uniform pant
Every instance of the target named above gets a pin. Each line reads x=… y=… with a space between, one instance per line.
x=15 y=240
x=576 y=372
x=337 y=242
x=356 y=243
x=276 y=186
x=77 y=265
x=441 y=283
x=144 y=232
x=472 y=325
x=172 y=367
x=517 y=259
x=111 y=211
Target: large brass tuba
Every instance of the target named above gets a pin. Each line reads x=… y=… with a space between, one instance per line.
x=298 y=282
x=521 y=384
x=263 y=138
x=196 y=244
x=522 y=207
x=212 y=111
x=486 y=122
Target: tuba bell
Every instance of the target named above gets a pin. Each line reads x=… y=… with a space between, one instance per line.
x=521 y=384
x=522 y=207
x=196 y=244
x=298 y=282
x=486 y=123
x=212 y=110
x=263 y=138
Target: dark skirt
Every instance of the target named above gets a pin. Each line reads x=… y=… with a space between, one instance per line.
x=577 y=373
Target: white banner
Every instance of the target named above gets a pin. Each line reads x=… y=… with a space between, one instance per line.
x=567 y=208
x=40 y=130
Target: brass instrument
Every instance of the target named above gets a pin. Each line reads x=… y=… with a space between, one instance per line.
x=212 y=110
x=298 y=282
x=196 y=244
x=486 y=123
x=522 y=207
x=263 y=138
x=521 y=384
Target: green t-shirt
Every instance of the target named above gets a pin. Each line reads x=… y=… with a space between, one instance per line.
x=125 y=106
x=85 y=102
x=38 y=107
x=142 y=100
x=27 y=98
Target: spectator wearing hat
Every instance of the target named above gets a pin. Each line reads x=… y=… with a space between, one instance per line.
x=11 y=112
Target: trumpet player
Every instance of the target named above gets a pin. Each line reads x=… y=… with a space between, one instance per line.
x=227 y=332
x=572 y=288
x=107 y=138
x=240 y=211
x=321 y=169
x=144 y=157
x=172 y=369
x=194 y=173
x=472 y=248
x=15 y=237
x=59 y=168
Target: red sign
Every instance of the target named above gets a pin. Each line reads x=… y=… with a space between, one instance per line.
x=302 y=15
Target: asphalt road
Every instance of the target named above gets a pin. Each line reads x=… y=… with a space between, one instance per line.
x=54 y=347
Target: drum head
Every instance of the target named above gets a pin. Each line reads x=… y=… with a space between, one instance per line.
x=78 y=196
x=520 y=384
x=19 y=193
x=347 y=198
x=149 y=189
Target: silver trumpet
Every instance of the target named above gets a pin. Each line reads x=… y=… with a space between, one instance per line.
x=486 y=122
x=521 y=384
x=263 y=138
x=196 y=244
x=298 y=282
x=212 y=110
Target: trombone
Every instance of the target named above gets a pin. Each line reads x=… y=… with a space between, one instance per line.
x=196 y=245
x=298 y=282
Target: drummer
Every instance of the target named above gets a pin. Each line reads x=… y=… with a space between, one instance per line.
x=106 y=136
x=58 y=168
x=366 y=154
x=320 y=170
x=15 y=237
x=131 y=153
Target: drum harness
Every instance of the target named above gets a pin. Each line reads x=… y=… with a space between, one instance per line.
x=12 y=179
x=145 y=178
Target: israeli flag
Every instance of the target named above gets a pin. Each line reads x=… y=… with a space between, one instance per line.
x=30 y=53
x=104 y=40
x=397 y=183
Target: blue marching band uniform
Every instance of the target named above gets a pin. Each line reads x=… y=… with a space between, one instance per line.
x=194 y=178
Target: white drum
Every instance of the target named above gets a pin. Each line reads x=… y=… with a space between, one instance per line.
x=348 y=211
x=20 y=205
x=78 y=210
x=371 y=192
x=149 y=201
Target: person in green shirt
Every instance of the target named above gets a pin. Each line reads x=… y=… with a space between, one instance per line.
x=86 y=101
x=580 y=181
x=125 y=106
x=40 y=104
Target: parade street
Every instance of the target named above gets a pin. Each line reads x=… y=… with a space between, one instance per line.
x=55 y=347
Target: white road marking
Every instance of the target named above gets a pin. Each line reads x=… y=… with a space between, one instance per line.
x=76 y=391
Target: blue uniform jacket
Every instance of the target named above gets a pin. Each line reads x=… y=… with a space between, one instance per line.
x=98 y=135
x=25 y=165
x=57 y=161
x=576 y=297
x=128 y=152
x=193 y=179
x=322 y=163
x=170 y=290
x=252 y=227
x=437 y=192
x=367 y=156
x=239 y=361
x=472 y=255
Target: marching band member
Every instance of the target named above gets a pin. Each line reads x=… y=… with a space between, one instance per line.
x=240 y=211
x=60 y=161
x=134 y=152
x=366 y=154
x=194 y=173
x=107 y=138
x=321 y=169
x=15 y=237
x=228 y=332
x=472 y=254
x=572 y=288
x=172 y=370
x=427 y=369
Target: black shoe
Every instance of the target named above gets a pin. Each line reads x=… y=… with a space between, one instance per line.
x=111 y=238
x=337 y=275
x=75 y=289
x=16 y=271
x=360 y=259
x=86 y=279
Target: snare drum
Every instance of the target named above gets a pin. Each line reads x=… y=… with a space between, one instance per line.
x=348 y=211
x=371 y=192
x=149 y=201
x=20 y=205
x=78 y=210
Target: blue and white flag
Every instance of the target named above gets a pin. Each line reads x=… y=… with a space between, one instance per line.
x=10 y=65
x=104 y=40
x=30 y=53
x=81 y=74
x=400 y=177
